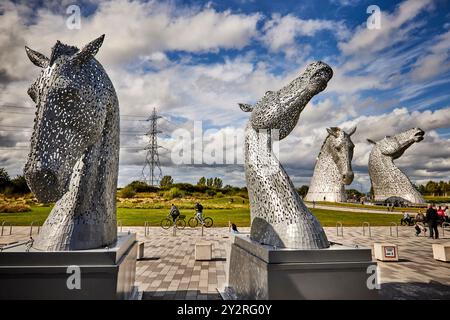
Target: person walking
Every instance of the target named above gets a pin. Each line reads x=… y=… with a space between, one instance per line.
x=432 y=220
x=441 y=215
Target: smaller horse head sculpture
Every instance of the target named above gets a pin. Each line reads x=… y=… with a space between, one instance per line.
x=333 y=168
x=340 y=146
x=395 y=146
x=388 y=181
x=74 y=148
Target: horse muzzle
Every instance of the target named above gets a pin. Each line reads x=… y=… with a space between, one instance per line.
x=347 y=178
x=44 y=184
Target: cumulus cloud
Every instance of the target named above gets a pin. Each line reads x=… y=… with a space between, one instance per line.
x=436 y=60
x=138 y=54
x=394 y=27
x=281 y=32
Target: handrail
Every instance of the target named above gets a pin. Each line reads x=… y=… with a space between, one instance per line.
x=8 y=224
x=17 y=244
x=365 y=223
x=146 y=226
x=339 y=224
x=392 y=224
x=443 y=227
x=31 y=227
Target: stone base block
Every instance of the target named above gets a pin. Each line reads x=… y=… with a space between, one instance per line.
x=441 y=251
x=105 y=273
x=140 y=251
x=262 y=272
x=203 y=251
x=385 y=251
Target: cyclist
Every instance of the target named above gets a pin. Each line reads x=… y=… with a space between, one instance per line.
x=199 y=214
x=174 y=212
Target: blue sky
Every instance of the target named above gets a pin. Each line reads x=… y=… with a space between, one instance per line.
x=195 y=60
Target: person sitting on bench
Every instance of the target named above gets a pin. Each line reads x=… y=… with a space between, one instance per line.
x=406 y=219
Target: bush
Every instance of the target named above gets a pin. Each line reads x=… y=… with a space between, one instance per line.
x=12 y=208
x=211 y=192
x=173 y=193
x=219 y=195
x=127 y=192
x=140 y=186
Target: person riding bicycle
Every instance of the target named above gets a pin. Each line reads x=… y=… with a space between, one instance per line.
x=174 y=212
x=199 y=214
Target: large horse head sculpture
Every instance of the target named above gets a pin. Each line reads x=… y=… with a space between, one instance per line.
x=333 y=168
x=74 y=148
x=279 y=217
x=387 y=180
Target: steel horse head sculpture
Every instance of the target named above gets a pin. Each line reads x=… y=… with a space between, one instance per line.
x=387 y=180
x=74 y=152
x=279 y=217
x=333 y=168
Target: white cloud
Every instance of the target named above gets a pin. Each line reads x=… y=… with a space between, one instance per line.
x=395 y=27
x=281 y=32
x=436 y=59
x=198 y=90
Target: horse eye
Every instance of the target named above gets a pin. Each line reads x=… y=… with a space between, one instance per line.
x=32 y=94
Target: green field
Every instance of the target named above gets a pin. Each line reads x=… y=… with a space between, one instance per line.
x=241 y=217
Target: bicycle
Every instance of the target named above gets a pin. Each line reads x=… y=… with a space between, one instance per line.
x=168 y=222
x=193 y=221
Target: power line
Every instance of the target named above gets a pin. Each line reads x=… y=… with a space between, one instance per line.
x=31 y=109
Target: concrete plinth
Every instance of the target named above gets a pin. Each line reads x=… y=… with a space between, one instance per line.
x=262 y=272
x=385 y=251
x=106 y=273
x=203 y=250
x=441 y=251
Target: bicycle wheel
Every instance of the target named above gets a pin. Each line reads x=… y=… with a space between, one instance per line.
x=208 y=222
x=192 y=222
x=181 y=224
x=166 y=223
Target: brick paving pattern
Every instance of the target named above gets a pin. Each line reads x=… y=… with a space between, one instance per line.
x=169 y=270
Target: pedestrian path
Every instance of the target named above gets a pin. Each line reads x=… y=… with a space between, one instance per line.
x=169 y=270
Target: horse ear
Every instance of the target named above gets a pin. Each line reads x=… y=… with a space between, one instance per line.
x=37 y=58
x=333 y=131
x=352 y=131
x=89 y=50
x=245 y=107
x=371 y=141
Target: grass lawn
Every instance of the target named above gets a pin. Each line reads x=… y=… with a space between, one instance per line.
x=437 y=199
x=241 y=217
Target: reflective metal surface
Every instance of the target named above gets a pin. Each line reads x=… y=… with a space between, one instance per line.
x=279 y=217
x=74 y=152
x=388 y=181
x=333 y=168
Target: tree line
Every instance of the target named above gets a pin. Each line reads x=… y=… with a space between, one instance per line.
x=16 y=185
x=432 y=188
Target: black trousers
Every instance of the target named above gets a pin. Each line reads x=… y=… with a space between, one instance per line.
x=433 y=229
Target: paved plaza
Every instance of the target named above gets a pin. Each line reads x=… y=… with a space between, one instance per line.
x=169 y=270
